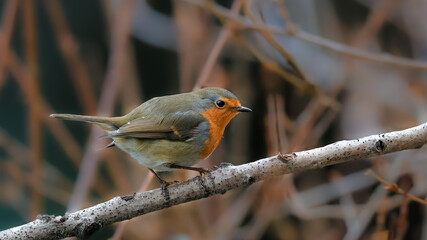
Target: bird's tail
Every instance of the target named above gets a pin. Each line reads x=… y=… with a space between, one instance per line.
x=106 y=123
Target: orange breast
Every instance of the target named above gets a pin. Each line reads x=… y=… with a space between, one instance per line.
x=218 y=120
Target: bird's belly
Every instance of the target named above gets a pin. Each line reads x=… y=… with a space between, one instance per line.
x=155 y=154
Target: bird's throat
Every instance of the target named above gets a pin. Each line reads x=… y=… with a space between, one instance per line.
x=218 y=119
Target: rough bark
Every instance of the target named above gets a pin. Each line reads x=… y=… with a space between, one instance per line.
x=84 y=222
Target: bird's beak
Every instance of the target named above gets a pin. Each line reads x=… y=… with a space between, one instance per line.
x=243 y=109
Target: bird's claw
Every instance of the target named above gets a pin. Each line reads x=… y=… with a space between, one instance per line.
x=165 y=184
x=203 y=172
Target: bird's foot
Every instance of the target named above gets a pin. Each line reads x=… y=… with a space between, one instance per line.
x=165 y=184
x=204 y=171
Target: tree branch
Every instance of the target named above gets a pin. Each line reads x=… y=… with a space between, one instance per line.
x=84 y=222
x=295 y=32
x=392 y=187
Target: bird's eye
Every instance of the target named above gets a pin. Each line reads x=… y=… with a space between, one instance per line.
x=220 y=103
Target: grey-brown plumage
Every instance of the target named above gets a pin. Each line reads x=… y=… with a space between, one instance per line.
x=172 y=129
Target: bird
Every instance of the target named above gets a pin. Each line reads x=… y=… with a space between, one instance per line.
x=170 y=132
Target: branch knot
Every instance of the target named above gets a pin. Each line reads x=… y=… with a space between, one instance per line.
x=380 y=146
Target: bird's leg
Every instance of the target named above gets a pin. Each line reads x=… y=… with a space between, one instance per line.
x=201 y=171
x=164 y=183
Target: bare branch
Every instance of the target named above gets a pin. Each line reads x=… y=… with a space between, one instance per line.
x=392 y=187
x=113 y=79
x=295 y=32
x=216 y=50
x=84 y=222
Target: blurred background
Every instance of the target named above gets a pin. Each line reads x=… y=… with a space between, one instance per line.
x=314 y=72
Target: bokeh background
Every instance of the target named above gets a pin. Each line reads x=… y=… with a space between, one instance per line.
x=314 y=72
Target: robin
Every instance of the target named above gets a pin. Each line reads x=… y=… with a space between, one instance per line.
x=171 y=132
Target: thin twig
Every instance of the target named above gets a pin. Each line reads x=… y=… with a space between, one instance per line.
x=57 y=128
x=216 y=50
x=271 y=65
x=365 y=214
x=375 y=21
x=269 y=37
x=19 y=153
x=344 y=49
x=392 y=187
x=70 y=50
x=119 y=43
x=402 y=220
x=297 y=79
x=85 y=222
x=383 y=58
x=8 y=21
x=35 y=111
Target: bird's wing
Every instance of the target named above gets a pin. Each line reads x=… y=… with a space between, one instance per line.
x=176 y=126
